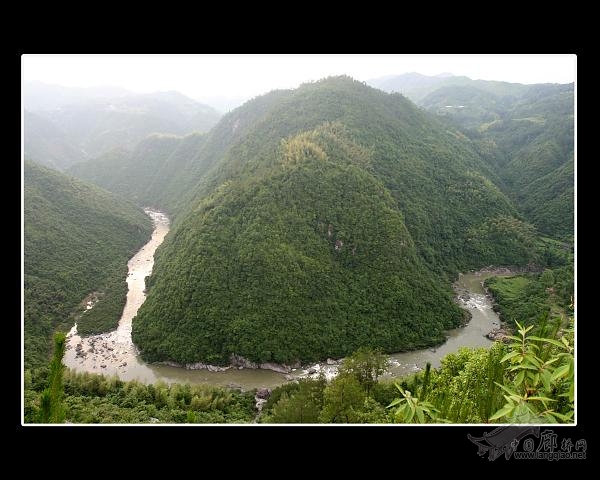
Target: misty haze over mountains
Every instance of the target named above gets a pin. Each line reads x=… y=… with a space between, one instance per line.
x=65 y=125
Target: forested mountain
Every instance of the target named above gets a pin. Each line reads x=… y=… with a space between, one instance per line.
x=525 y=132
x=152 y=174
x=77 y=240
x=326 y=221
x=96 y=124
x=525 y=138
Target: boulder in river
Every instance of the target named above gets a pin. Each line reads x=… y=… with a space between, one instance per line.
x=214 y=368
x=263 y=393
x=499 y=334
x=275 y=367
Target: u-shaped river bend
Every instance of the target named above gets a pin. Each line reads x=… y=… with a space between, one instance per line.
x=114 y=352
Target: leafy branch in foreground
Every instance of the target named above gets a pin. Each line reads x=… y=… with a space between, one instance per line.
x=411 y=408
x=542 y=372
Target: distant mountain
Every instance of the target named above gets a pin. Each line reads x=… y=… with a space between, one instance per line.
x=409 y=83
x=416 y=86
x=97 y=124
x=47 y=144
x=77 y=240
x=38 y=96
x=323 y=219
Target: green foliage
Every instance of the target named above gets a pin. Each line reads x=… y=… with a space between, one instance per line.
x=550 y=201
x=410 y=408
x=47 y=144
x=532 y=380
x=313 y=261
x=503 y=240
x=420 y=87
x=542 y=379
x=52 y=409
x=91 y=398
x=77 y=240
x=154 y=173
x=366 y=365
x=464 y=388
x=533 y=296
x=300 y=404
x=344 y=398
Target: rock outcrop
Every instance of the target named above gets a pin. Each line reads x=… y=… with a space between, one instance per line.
x=499 y=334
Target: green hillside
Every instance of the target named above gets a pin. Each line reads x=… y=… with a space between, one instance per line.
x=77 y=240
x=150 y=174
x=525 y=137
x=329 y=222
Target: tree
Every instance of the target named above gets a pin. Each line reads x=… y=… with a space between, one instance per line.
x=301 y=406
x=366 y=365
x=52 y=408
x=344 y=398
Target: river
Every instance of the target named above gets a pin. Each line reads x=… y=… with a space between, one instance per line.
x=114 y=353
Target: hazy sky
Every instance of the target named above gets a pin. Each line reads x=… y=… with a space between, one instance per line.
x=203 y=76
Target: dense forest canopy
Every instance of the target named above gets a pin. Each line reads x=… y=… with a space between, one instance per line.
x=525 y=132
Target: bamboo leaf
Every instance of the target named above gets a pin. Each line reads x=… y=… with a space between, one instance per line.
x=519 y=378
x=546 y=379
x=505 y=411
x=548 y=340
x=560 y=372
x=509 y=355
x=541 y=399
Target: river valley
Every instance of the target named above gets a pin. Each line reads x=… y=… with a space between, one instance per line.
x=114 y=353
